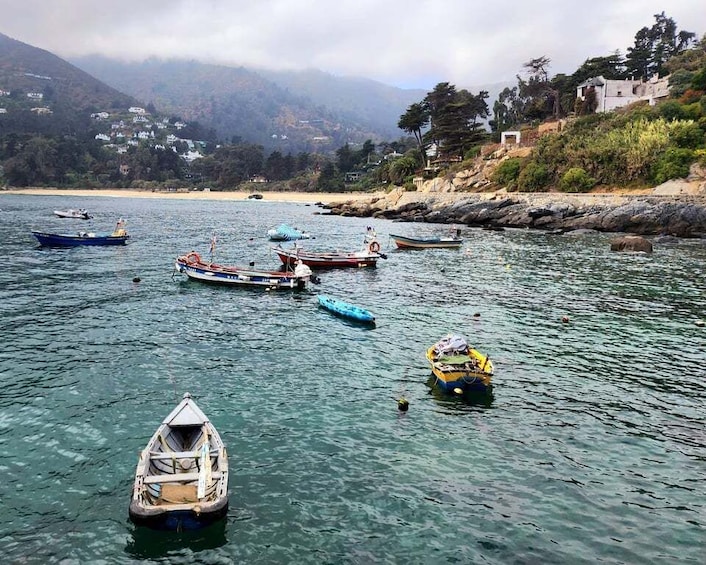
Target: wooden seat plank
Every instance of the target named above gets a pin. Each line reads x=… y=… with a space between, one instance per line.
x=177 y=478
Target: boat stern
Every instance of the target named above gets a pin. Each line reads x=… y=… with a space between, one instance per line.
x=181 y=519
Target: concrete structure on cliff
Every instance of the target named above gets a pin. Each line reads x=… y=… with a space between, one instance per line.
x=612 y=94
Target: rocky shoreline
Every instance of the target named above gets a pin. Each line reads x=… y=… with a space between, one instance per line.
x=680 y=215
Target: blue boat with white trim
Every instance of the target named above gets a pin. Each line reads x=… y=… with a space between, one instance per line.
x=118 y=237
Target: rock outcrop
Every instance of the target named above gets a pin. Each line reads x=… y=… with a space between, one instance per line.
x=677 y=208
x=631 y=243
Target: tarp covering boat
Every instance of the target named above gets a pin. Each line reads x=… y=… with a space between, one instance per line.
x=285 y=232
x=456 y=365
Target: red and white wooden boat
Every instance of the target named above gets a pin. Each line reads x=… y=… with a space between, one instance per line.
x=366 y=257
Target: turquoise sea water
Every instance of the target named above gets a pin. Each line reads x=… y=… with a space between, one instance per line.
x=591 y=449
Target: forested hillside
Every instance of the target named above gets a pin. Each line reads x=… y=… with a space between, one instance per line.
x=306 y=111
x=34 y=78
x=567 y=142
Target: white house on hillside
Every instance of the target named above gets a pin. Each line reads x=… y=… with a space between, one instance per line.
x=612 y=94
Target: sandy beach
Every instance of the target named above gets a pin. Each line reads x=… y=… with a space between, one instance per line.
x=323 y=197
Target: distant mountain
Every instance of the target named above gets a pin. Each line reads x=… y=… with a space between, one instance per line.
x=288 y=111
x=32 y=79
x=373 y=104
x=293 y=111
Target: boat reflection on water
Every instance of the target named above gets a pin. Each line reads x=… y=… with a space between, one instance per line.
x=454 y=402
x=146 y=543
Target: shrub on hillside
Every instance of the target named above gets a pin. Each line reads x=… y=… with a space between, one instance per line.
x=472 y=153
x=687 y=135
x=507 y=172
x=671 y=110
x=638 y=144
x=589 y=123
x=679 y=82
x=576 y=180
x=690 y=96
x=672 y=164
x=700 y=157
x=698 y=81
x=533 y=177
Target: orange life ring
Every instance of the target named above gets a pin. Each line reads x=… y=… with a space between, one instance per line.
x=374 y=247
x=193 y=257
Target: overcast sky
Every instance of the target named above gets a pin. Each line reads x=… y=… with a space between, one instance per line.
x=405 y=43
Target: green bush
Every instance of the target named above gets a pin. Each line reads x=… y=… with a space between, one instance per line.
x=700 y=157
x=679 y=82
x=576 y=180
x=687 y=135
x=533 y=177
x=472 y=153
x=698 y=81
x=693 y=110
x=671 y=110
x=672 y=164
x=507 y=172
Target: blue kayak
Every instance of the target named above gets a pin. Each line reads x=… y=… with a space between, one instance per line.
x=346 y=310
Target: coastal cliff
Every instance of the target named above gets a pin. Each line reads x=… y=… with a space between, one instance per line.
x=676 y=208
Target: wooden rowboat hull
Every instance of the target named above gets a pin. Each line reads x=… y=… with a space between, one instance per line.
x=181 y=479
x=327 y=260
x=403 y=242
x=195 y=268
x=178 y=520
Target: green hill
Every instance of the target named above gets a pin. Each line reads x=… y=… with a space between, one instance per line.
x=307 y=111
x=43 y=94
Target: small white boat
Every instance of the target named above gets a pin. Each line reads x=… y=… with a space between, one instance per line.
x=78 y=214
x=181 y=480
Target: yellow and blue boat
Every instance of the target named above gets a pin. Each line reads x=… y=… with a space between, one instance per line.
x=458 y=367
